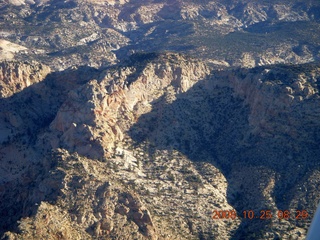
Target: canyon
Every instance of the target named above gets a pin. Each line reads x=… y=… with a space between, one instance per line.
x=130 y=120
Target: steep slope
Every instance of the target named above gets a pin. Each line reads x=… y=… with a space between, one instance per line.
x=23 y=116
x=151 y=147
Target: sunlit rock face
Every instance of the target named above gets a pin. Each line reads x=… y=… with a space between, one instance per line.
x=15 y=76
x=98 y=114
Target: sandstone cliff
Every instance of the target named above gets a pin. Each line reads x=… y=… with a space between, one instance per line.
x=96 y=115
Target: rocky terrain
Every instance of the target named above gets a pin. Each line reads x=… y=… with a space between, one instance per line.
x=113 y=158
x=62 y=34
x=16 y=76
x=130 y=120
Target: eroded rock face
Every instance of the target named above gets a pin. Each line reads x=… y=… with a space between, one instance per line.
x=274 y=91
x=15 y=76
x=91 y=207
x=131 y=207
x=96 y=115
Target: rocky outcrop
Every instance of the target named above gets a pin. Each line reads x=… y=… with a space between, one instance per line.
x=96 y=115
x=89 y=207
x=273 y=91
x=131 y=207
x=15 y=76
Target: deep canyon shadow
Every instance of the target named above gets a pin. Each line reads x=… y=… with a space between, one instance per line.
x=210 y=124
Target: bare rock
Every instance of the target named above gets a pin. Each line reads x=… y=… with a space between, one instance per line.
x=15 y=76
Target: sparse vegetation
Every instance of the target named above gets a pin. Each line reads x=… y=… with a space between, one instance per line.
x=88 y=152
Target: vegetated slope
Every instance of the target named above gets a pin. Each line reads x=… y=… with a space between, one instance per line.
x=96 y=33
x=149 y=148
